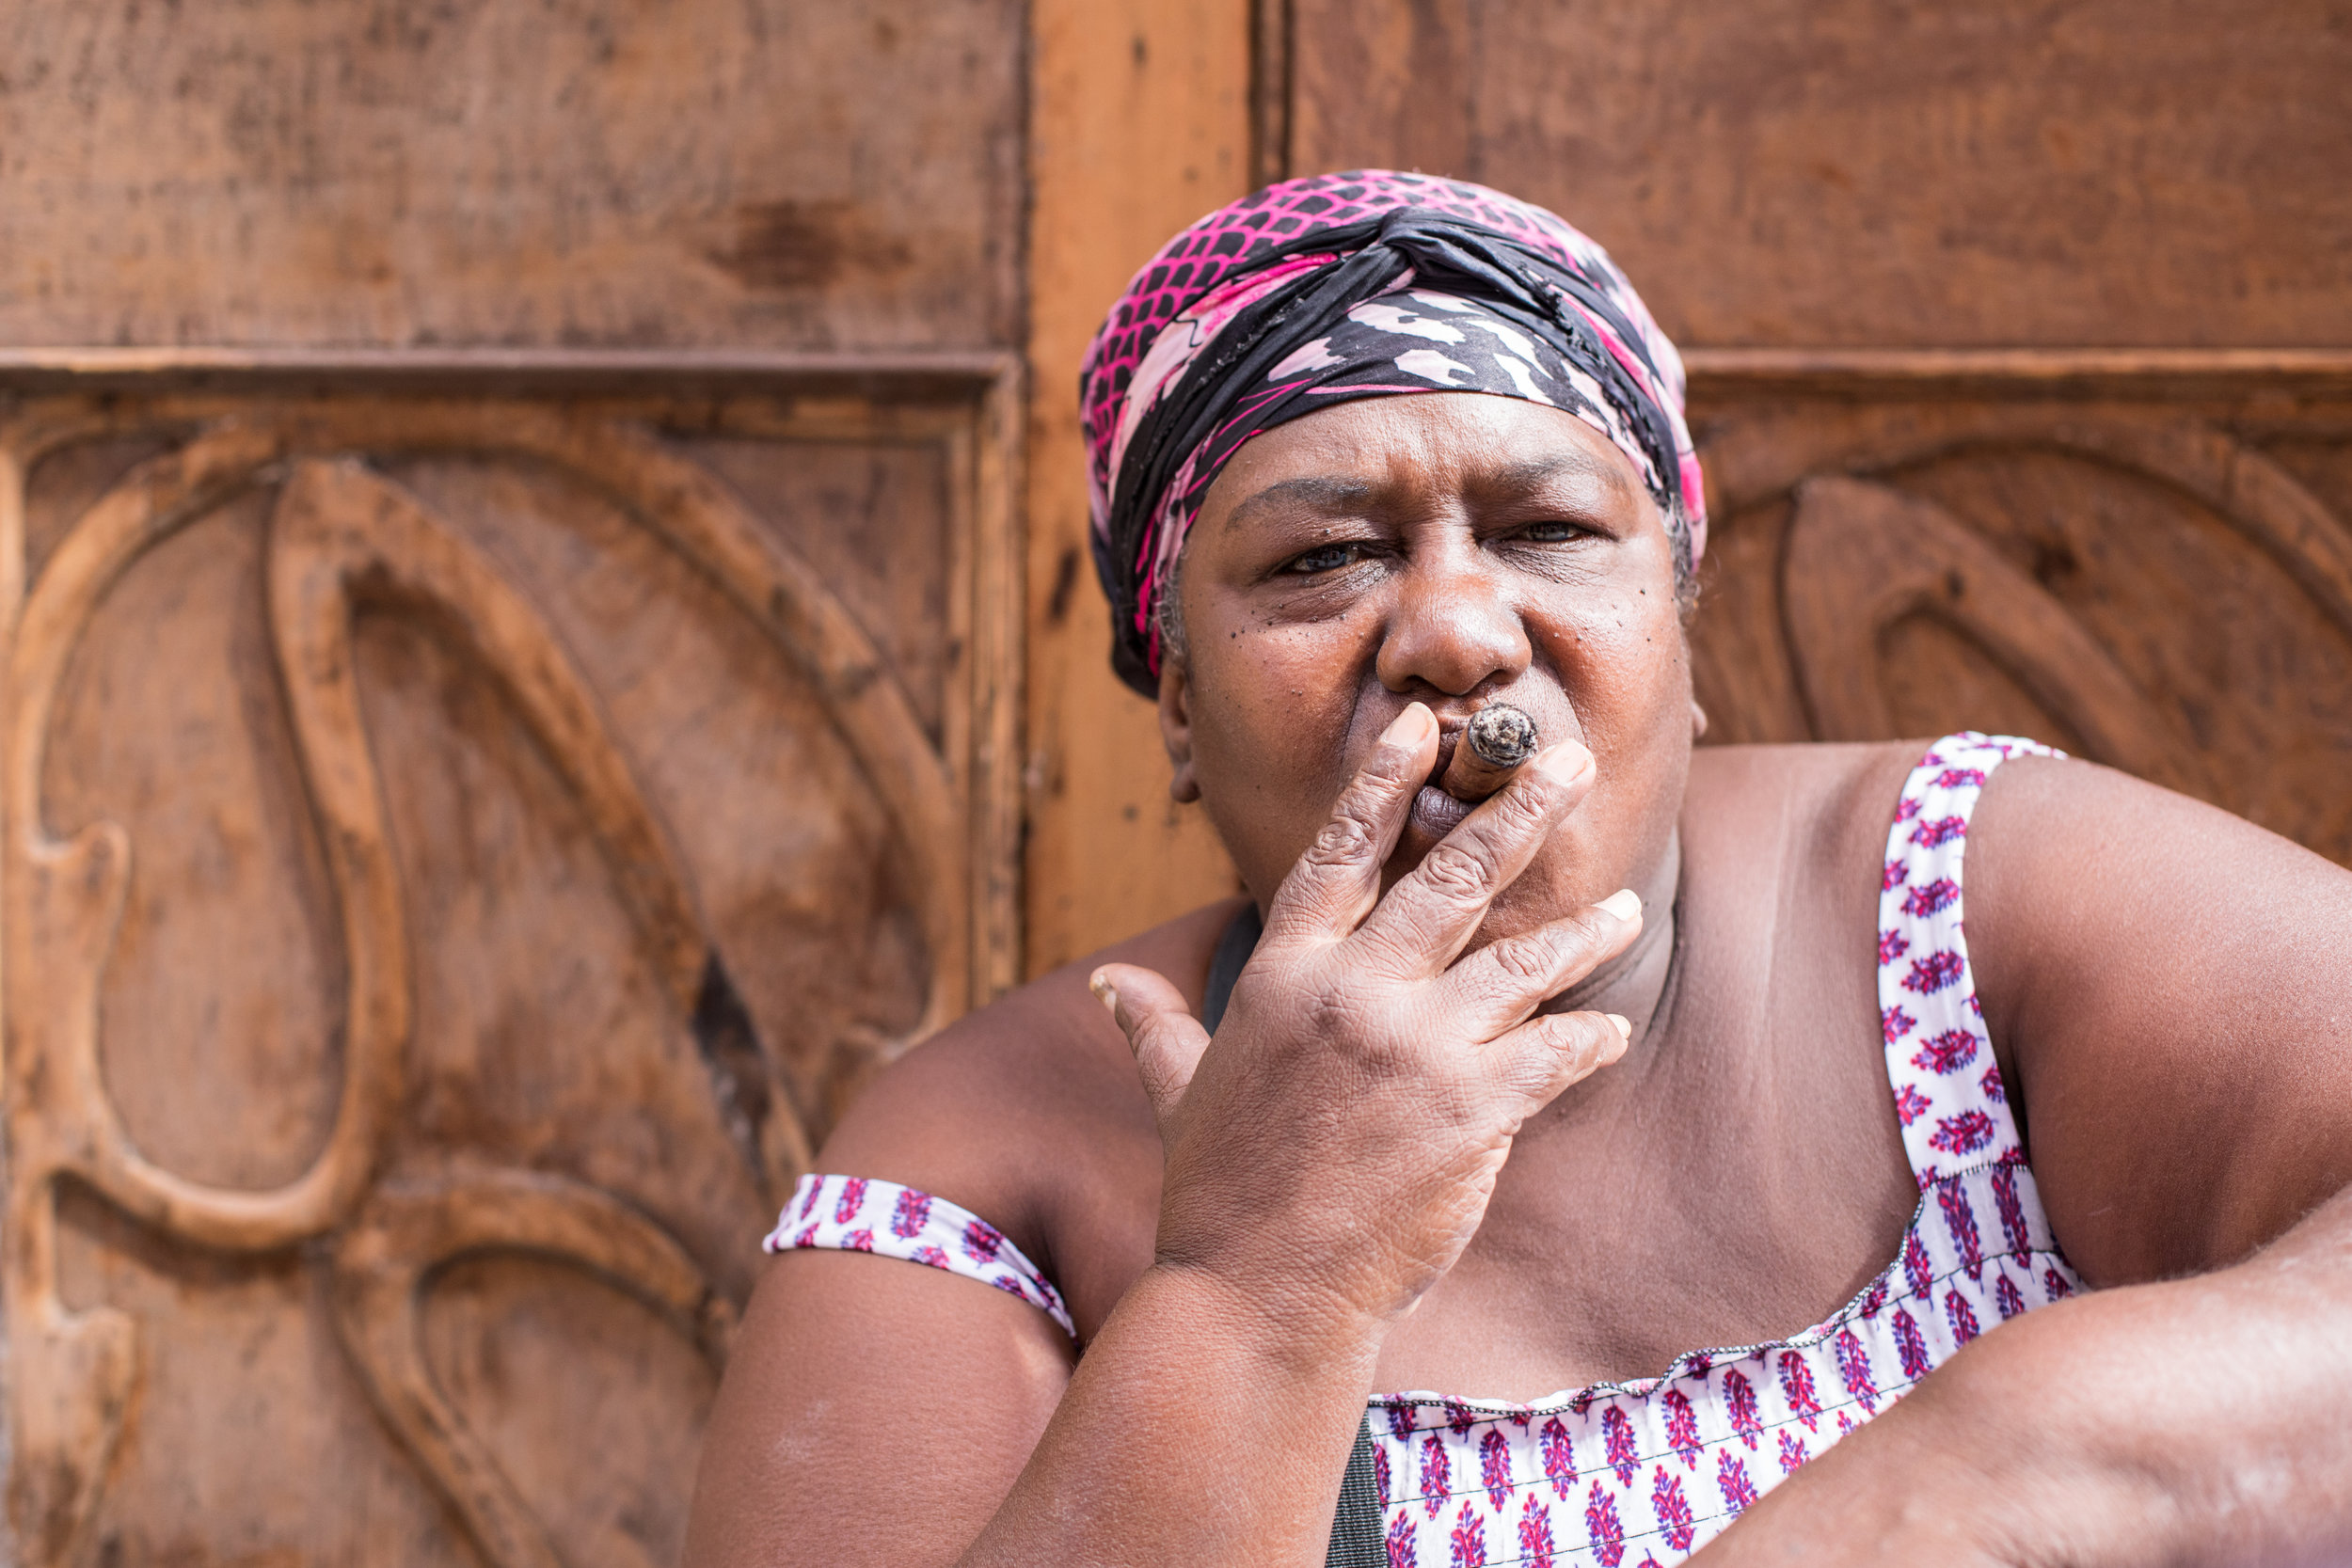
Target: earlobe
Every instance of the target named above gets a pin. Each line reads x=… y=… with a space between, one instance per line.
x=1698 y=720
x=1176 y=731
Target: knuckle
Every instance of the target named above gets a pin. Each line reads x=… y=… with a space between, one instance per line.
x=1457 y=873
x=1578 y=1037
x=1580 y=934
x=1389 y=950
x=1345 y=840
x=1525 y=807
x=1523 y=959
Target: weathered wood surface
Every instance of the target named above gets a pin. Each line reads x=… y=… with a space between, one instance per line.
x=2160 y=583
x=461 y=854
x=1140 y=122
x=504 y=733
x=1815 y=172
x=711 y=172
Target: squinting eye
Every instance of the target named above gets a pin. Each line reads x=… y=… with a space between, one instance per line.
x=1550 y=533
x=1330 y=558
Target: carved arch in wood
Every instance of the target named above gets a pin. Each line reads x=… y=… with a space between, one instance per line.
x=340 y=537
x=1863 y=553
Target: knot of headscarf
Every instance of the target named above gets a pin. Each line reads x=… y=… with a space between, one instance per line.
x=1366 y=284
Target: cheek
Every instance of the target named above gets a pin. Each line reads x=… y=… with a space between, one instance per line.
x=1273 y=724
x=1623 y=660
x=1627 y=676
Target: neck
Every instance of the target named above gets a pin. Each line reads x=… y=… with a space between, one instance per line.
x=1635 y=984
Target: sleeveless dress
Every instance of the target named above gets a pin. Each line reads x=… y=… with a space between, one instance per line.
x=1643 y=1473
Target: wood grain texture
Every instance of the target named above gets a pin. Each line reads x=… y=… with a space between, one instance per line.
x=1140 y=117
x=449 y=831
x=720 y=172
x=1818 y=172
x=2162 y=582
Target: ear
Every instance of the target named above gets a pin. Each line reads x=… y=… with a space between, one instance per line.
x=1176 y=727
x=1698 y=720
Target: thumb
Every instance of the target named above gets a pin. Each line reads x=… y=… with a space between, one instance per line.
x=1160 y=1031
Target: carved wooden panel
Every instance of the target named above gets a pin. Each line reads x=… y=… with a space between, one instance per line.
x=2151 y=566
x=460 y=852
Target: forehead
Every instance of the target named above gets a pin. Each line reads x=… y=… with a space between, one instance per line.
x=1422 y=442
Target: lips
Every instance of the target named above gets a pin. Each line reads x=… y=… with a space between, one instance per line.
x=1435 y=812
x=1438 y=814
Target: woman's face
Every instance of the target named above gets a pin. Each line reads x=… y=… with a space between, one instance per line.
x=1453 y=550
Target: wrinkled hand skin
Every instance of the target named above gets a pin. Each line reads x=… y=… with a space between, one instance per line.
x=1332 y=1150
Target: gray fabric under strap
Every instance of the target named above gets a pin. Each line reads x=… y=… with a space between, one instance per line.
x=1356 y=1539
x=1233 y=953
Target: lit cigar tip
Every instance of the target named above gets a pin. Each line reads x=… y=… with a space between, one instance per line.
x=1503 y=736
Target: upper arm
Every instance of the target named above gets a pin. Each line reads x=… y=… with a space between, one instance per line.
x=2174 y=984
x=875 y=1411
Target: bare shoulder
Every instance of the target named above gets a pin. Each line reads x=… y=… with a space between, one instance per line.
x=1830 y=802
x=2167 y=977
x=2074 y=867
x=1028 y=1112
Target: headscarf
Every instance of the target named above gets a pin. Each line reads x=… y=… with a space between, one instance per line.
x=1362 y=284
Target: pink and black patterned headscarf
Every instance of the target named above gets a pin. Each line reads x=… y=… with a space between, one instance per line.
x=1363 y=284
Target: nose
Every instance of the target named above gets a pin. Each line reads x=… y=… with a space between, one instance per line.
x=1451 y=629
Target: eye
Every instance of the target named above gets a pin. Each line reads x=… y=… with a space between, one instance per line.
x=1552 y=532
x=1323 y=557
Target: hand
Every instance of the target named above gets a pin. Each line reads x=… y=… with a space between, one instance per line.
x=1333 y=1147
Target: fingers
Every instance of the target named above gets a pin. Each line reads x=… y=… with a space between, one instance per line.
x=1338 y=878
x=1545 y=1055
x=1433 y=911
x=1504 y=983
x=1166 y=1040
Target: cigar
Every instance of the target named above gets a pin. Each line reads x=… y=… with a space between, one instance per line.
x=1498 y=738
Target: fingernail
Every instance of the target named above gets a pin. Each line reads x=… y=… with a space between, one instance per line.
x=1625 y=1025
x=1625 y=903
x=1565 y=762
x=1411 y=727
x=1100 y=984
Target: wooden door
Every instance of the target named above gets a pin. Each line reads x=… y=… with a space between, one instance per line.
x=506 y=566
x=2019 y=349
x=515 y=617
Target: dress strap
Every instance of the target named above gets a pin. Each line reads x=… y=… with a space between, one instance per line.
x=853 y=1213
x=1949 y=1094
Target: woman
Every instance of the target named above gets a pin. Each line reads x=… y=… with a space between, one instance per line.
x=1538 y=1103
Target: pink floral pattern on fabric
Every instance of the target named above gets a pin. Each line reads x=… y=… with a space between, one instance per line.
x=1659 y=1466
x=852 y=1214
x=1649 y=1471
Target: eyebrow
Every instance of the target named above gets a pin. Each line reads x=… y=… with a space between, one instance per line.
x=1320 y=494
x=1522 y=476
x=1323 y=494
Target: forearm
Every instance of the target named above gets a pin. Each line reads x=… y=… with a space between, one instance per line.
x=1199 y=1427
x=2204 y=1420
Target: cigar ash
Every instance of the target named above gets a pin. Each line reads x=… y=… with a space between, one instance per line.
x=1485 y=751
